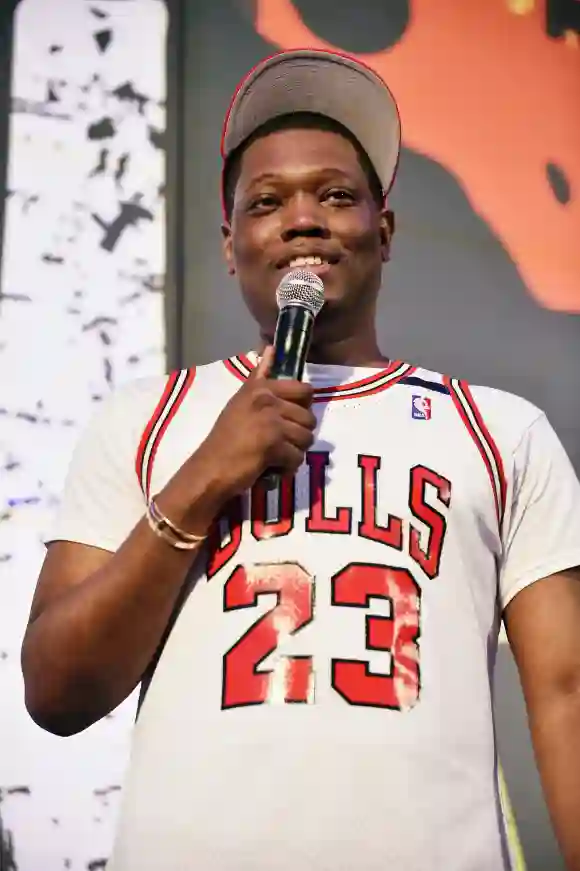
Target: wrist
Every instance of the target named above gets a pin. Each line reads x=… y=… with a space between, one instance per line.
x=195 y=495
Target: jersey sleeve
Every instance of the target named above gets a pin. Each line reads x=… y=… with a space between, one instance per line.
x=102 y=501
x=542 y=527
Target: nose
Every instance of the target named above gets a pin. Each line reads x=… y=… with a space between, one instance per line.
x=304 y=216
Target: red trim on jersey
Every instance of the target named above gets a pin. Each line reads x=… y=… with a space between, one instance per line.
x=367 y=386
x=492 y=445
x=241 y=367
x=169 y=386
x=363 y=381
x=462 y=399
x=168 y=405
x=368 y=381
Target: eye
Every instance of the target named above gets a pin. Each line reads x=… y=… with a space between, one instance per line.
x=340 y=196
x=263 y=203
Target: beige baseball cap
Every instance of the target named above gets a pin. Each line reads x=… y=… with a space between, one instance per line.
x=325 y=83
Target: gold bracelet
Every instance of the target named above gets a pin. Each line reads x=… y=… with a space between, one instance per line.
x=169 y=532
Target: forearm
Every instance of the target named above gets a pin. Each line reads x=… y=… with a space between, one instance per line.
x=556 y=738
x=86 y=652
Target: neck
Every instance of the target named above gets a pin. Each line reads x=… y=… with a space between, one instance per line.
x=360 y=349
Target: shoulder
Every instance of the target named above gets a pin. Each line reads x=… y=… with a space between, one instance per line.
x=129 y=405
x=133 y=403
x=509 y=417
x=114 y=425
x=506 y=416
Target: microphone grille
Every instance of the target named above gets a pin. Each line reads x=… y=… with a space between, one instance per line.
x=301 y=287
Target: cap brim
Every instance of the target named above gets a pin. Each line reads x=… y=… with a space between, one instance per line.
x=325 y=83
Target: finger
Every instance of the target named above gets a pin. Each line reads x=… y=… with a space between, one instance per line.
x=265 y=364
x=294 y=391
x=297 y=436
x=288 y=457
x=298 y=414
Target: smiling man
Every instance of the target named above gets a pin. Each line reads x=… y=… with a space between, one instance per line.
x=316 y=661
x=296 y=159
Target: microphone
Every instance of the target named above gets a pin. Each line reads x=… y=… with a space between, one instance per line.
x=300 y=297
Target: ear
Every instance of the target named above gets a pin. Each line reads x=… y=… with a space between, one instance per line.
x=227 y=247
x=387 y=229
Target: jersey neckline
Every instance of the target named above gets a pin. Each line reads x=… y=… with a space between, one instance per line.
x=333 y=382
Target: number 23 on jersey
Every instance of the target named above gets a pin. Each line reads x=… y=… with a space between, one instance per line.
x=248 y=679
x=292 y=679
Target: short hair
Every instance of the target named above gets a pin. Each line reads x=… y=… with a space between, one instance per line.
x=296 y=121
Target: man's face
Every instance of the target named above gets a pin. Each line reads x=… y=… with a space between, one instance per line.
x=303 y=200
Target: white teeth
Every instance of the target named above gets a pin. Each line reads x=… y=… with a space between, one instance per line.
x=306 y=261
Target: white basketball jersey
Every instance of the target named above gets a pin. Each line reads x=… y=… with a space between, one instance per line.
x=323 y=700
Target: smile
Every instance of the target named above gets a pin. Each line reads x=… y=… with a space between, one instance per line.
x=317 y=265
x=298 y=262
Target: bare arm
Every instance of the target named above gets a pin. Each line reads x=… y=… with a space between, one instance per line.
x=543 y=627
x=97 y=618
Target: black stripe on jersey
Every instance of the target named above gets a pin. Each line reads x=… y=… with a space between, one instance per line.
x=176 y=387
x=490 y=454
x=428 y=385
x=241 y=367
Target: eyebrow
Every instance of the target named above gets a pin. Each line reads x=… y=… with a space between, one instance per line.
x=274 y=177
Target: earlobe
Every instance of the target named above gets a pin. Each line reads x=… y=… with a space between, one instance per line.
x=227 y=248
x=387 y=230
x=385 y=243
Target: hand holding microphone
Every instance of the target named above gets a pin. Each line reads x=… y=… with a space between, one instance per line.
x=300 y=297
x=268 y=425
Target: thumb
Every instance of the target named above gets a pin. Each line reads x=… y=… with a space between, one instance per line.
x=265 y=364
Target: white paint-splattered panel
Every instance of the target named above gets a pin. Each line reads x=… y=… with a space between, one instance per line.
x=81 y=311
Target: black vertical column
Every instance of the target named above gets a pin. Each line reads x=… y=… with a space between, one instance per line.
x=6 y=26
x=175 y=184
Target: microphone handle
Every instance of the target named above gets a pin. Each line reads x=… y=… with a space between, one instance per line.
x=291 y=342
x=291 y=345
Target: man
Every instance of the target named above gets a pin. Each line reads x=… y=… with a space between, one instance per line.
x=316 y=661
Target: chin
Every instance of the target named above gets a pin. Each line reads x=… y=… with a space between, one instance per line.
x=336 y=299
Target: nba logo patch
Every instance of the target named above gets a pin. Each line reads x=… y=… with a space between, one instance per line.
x=421 y=408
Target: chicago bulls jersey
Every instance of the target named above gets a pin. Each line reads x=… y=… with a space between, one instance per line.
x=323 y=699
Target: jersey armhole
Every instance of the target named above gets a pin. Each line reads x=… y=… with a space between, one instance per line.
x=176 y=388
x=471 y=416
